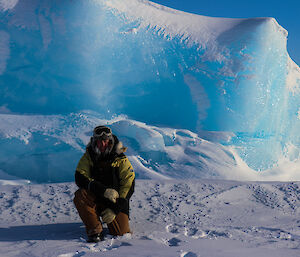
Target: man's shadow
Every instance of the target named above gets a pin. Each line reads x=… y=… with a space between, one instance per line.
x=58 y=231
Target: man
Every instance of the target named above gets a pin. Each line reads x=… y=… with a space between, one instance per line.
x=105 y=179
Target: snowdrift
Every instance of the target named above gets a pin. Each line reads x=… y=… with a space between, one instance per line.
x=192 y=96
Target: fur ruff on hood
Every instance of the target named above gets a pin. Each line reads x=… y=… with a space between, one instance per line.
x=117 y=148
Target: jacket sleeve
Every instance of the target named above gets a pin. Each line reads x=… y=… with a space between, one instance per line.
x=127 y=176
x=83 y=172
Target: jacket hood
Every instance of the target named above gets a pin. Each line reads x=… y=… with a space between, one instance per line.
x=116 y=149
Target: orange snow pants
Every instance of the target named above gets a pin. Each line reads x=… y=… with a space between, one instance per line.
x=87 y=209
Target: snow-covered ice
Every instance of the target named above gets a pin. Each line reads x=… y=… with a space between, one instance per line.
x=169 y=218
x=208 y=108
x=166 y=68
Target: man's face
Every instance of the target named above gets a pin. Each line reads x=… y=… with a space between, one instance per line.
x=102 y=144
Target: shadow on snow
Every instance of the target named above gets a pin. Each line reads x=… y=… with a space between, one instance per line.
x=60 y=231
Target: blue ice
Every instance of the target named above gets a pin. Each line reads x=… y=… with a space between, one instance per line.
x=64 y=57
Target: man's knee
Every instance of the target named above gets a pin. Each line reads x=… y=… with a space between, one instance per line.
x=120 y=225
x=124 y=230
x=79 y=195
x=83 y=196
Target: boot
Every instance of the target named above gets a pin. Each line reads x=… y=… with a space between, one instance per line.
x=95 y=238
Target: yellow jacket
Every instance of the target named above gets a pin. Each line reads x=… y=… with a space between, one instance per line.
x=120 y=167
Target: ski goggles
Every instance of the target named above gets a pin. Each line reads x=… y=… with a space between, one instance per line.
x=102 y=132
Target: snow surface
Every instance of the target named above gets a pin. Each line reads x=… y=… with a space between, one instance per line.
x=202 y=104
x=196 y=29
x=169 y=218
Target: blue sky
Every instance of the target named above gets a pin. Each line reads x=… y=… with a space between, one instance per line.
x=286 y=12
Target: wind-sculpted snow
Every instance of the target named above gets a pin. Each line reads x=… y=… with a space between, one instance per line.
x=170 y=218
x=154 y=152
x=227 y=86
x=47 y=148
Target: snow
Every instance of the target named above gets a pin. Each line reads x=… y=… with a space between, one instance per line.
x=54 y=144
x=168 y=218
x=8 y=4
x=208 y=108
x=172 y=23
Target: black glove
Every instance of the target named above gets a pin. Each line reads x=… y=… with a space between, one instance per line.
x=97 y=188
x=121 y=206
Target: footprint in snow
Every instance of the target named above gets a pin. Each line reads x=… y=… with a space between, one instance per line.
x=191 y=231
x=77 y=254
x=217 y=234
x=174 y=241
x=187 y=231
x=188 y=254
x=173 y=228
x=194 y=233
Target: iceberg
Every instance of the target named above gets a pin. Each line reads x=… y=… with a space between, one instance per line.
x=192 y=96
